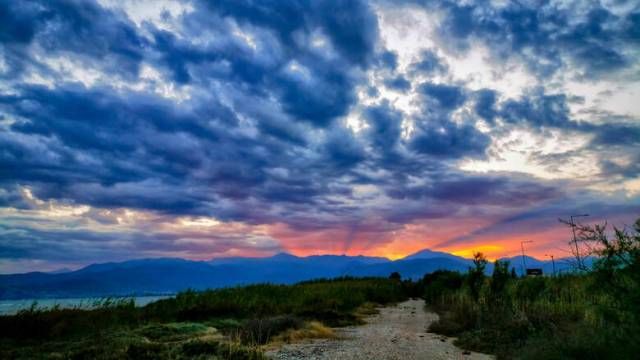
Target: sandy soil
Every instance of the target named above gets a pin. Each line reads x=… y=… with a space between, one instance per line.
x=398 y=332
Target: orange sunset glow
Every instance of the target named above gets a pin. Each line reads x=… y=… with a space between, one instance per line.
x=320 y=179
x=126 y=133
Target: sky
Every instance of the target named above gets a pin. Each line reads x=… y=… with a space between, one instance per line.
x=203 y=129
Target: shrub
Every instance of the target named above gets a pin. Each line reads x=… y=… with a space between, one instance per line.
x=440 y=282
x=590 y=315
x=250 y=314
x=475 y=278
x=260 y=331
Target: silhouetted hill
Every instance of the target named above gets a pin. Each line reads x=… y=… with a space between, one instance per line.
x=412 y=268
x=430 y=254
x=561 y=265
x=170 y=275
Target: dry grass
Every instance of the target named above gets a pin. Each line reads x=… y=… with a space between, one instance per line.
x=366 y=310
x=311 y=330
x=317 y=330
x=223 y=322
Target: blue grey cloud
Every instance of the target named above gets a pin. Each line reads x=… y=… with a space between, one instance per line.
x=548 y=36
x=245 y=112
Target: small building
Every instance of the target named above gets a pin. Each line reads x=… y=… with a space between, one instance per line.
x=534 y=272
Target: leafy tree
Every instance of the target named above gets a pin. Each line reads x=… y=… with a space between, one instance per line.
x=499 y=277
x=617 y=271
x=440 y=282
x=476 y=274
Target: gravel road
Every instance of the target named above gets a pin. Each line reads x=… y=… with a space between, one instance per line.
x=398 y=332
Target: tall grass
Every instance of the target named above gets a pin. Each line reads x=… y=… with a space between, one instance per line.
x=227 y=323
x=332 y=301
x=587 y=315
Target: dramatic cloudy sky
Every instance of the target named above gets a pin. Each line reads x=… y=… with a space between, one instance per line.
x=203 y=129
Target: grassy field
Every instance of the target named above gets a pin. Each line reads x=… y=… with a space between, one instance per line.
x=228 y=323
x=592 y=314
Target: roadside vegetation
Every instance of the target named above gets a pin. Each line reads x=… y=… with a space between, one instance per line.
x=588 y=314
x=592 y=314
x=230 y=323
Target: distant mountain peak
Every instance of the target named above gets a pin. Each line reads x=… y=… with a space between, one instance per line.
x=517 y=259
x=60 y=271
x=171 y=275
x=431 y=254
x=284 y=255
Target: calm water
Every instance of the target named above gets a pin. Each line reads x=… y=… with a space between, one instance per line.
x=8 y=307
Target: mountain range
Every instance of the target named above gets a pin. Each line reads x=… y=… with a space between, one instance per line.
x=161 y=276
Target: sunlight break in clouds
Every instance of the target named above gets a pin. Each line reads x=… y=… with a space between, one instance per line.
x=203 y=129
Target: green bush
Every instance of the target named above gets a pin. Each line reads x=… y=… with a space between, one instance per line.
x=586 y=315
x=440 y=282
x=260 y=331
x=249 y=315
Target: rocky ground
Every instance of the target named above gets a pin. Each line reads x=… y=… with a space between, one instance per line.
x=398 y=332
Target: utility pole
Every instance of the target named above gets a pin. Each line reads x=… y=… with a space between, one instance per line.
x=553 y=262
x=524 y=264
x=575 y=240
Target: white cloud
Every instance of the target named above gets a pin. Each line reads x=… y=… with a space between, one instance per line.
x=523 y=151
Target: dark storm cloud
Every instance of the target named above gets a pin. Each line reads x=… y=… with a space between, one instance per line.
x=398 y=83
x=82 y=245
x=625 y=138
x=261 y=136
x=465 y=189
x=540 y=111
x=324 y=89
x=631 y=170
x=485 y=105
x=448 y=97
x=450 y=140
x=385 y=126
x=351 y=25
x=10 y=197
x=343 y=150
x=493 y=190
x=436 y=134
x=116 y=129
x=615 y=134
x=110 y=150
x=429 y=63
x=17 y=23
x=388 y=59
x=539 y=108
x=548 y=36
x=106 y=38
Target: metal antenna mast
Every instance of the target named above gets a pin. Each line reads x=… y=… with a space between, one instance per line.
x=575 y=240
x=524 y=263
x=553 y=262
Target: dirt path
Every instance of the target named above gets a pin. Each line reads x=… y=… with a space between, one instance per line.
x=398 y=332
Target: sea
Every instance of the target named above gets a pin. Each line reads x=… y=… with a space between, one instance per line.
x=10 y=307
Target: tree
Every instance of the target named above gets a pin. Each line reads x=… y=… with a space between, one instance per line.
x=618 y=265
x=440 y=282
x=395 y=276
x=476 y=274
x=616 y=275
x=499 y=277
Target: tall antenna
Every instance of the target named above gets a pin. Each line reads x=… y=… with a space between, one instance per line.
x=524 y=263
x=553 y=262
x=575 y=240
